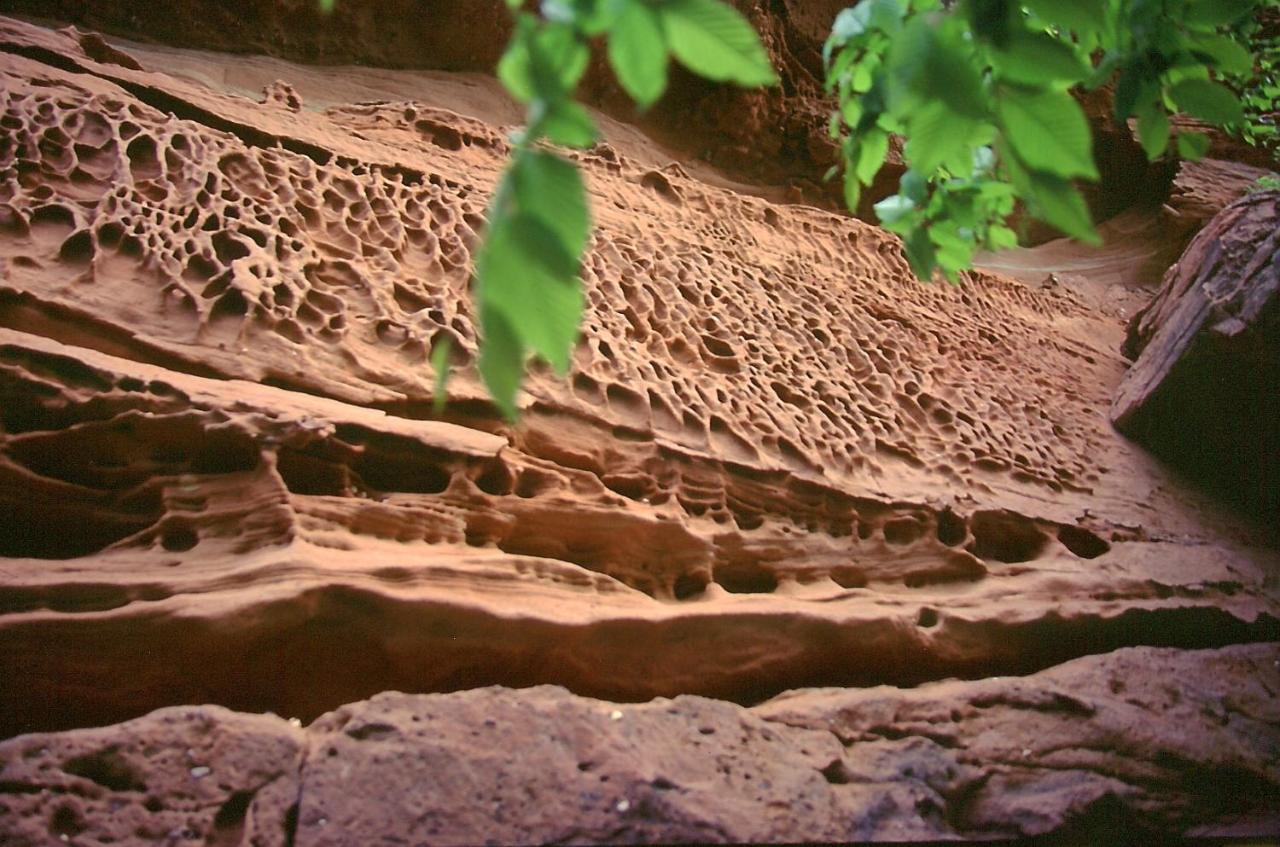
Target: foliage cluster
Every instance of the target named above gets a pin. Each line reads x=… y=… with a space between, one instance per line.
x=983 y=95
x=1260 y=95
x=1269 y=182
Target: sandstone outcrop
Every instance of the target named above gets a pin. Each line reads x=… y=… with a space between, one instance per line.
x=1204 y=388
x=779 y=463
x=774 y=139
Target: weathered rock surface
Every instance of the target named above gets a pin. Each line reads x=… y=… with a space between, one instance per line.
x=1204 y=388
x=779 y=461
x=771 y=138
x=1136 y=742
x=197 y=775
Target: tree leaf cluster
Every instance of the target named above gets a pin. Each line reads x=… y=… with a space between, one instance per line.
x=984 y=95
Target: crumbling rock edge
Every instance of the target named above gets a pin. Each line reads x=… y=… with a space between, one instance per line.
x=1071 y=751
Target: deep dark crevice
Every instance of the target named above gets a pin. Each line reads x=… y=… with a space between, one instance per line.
x=49 y=525
x=836 y=773
x=1082 y=542
x=291 y=820
x=1006 y=537
x=353 y=643
x=229 y=822
x=394 y=463
x=108 y=768
x=745 y=578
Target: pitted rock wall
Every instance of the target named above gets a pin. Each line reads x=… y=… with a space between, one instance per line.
x=779 y=462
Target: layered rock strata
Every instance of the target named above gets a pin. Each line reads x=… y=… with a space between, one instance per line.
x=779 y=462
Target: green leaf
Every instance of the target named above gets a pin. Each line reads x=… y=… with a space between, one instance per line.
x=1210 y=101
x=1193 y=145
x=502 y=358
x=1153 y=130
x=513 y=68
x=1049 y=131
x=590 y=17
x=638 y=53
x=913 y=186
x=921 y=255
x=1057 y=202
x=892 y=209
x=558 y=59
x=1000 y=237
x=527 y=268
x=852 y=189
x=1227 y=55
x=1082 y=16
x=871 y=153
x=885 y=15
x=525 y=273
x=954 y=249
x=1051 y=198
x=926 y=65
x=937 y=136
x=1037 y=58
x=714 y=40
x=542 y=60
x=440 y=366
x=549 y=188
x=326 y=6
x=1208 y=14
x=566 y=122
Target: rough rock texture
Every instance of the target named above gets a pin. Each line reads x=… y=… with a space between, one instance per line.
x=190 y=775
x=774 y=137
x=1130 y=744
x=1205 y=387
x=779 y=462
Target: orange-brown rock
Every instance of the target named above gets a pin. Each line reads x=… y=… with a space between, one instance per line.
x=778 y=463
x=775 y=139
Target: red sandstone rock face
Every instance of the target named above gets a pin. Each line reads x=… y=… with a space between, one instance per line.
x=775 y=138
x=779 y=463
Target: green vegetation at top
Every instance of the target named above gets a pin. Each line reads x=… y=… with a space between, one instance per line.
x=984 y=97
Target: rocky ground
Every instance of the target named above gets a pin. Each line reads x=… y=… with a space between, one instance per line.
x=802 y=550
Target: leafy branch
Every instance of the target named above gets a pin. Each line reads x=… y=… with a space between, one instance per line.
x=983 y=96
x=528 y=293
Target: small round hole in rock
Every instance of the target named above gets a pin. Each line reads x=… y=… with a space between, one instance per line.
x=179 y=538
x=689 y=585
x=1082 y=542
x=951 y=528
